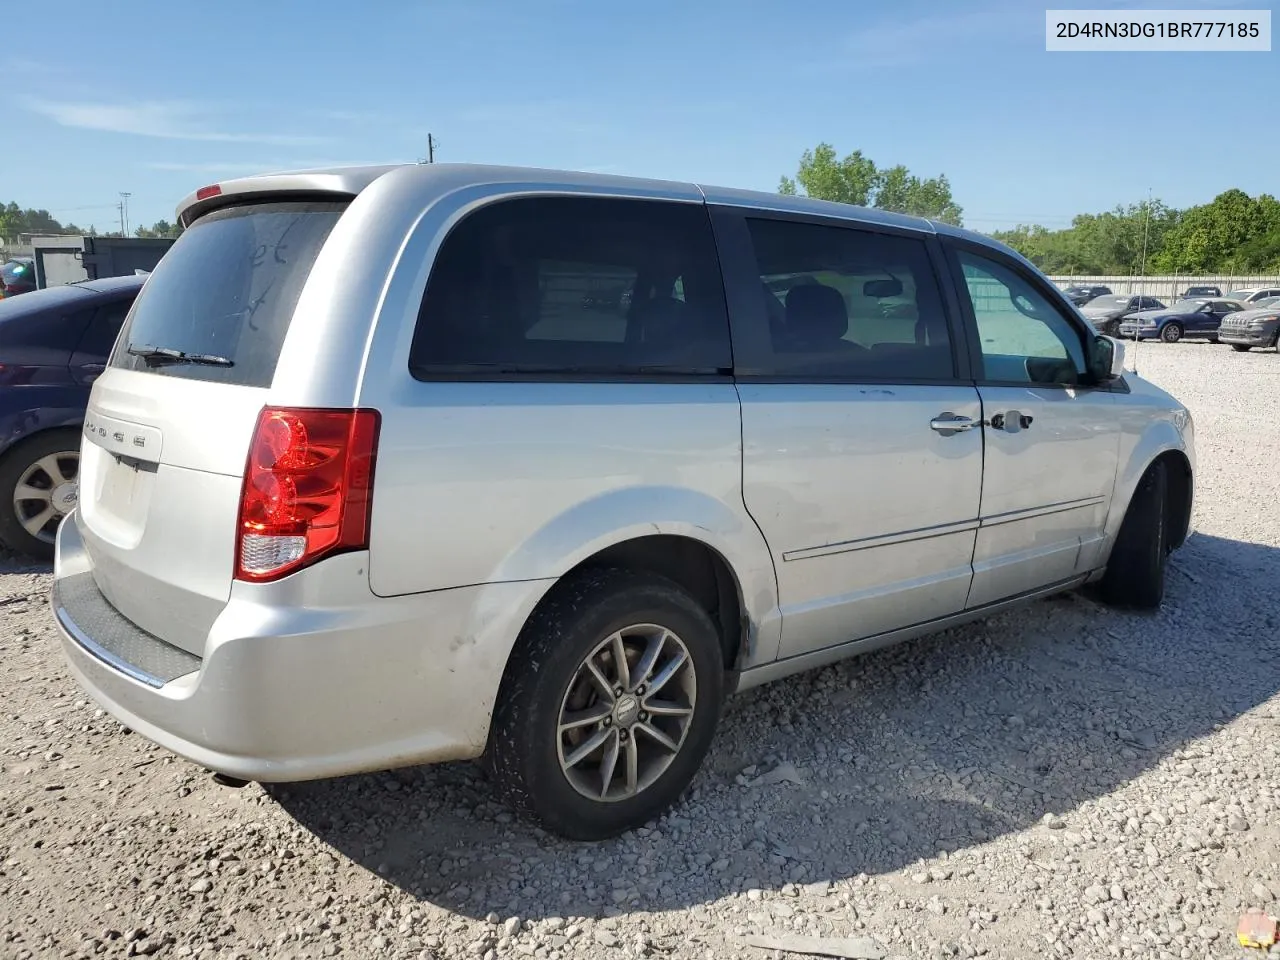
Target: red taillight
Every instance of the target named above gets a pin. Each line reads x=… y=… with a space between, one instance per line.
x=308 y=489
x=213 y=190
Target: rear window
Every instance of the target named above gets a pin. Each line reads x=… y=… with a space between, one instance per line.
x=227 y=288
x=575 y=286
x=1110 y=302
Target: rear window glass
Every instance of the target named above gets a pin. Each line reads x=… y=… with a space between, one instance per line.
x=227 y=289
x=575 y=285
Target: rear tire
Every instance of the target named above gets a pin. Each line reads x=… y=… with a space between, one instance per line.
x=1136 y=571
x=1240 y=347
x=560 y=694
x=37 y=479
x=1171 y=333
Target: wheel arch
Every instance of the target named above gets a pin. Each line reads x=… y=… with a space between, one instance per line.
x=701 y=570
x=21 y=426
x=1163 y=444
x=702 y=543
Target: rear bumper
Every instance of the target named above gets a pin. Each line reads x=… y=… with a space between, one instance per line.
x=310 y=677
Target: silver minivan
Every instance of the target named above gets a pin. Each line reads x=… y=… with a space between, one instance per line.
x=411 y=464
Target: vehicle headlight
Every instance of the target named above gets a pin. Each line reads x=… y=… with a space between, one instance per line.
x=1146 y=323
x=1258 y=322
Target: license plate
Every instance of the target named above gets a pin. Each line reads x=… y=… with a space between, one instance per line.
x=121 y=484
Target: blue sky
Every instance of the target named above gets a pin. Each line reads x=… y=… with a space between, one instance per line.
x=158 y=98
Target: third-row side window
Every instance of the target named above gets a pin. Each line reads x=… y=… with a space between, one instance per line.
x=576 y=285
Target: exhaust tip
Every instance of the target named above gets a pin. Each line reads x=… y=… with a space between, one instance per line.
x=223 y=780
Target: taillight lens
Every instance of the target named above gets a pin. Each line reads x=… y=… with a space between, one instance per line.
x=308 y=489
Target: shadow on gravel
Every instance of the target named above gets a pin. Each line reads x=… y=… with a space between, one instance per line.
x=933 y=746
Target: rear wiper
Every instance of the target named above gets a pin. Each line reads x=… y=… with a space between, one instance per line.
x=158 y=356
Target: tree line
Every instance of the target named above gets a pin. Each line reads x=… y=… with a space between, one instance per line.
x=1233 y=234
x=15 y=220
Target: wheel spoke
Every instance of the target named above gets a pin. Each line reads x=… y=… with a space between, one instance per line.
x=52 y=465
x=666 y=708
x=609 y=764
x=670 y=670
x=573 y=719
x=33 y=525
x=587 y=747
x=633 y=766
x=602 y=685
x=658 y=736
x=649 y=659
x=622 y=671
x=24 y=491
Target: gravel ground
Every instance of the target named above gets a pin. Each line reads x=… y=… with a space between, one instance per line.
x=1059 y=781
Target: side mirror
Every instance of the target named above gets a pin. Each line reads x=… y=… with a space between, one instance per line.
x=1107 y=359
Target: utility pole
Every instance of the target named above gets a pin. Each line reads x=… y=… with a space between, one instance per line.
x=431 y=149
x=124 y=212
x=1146 y=228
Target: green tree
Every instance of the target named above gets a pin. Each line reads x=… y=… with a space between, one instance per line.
x=1221 y=235
x=1101 y=243
x=857 y=180
x=826 y=177
x=161 y=228
x=15 y=220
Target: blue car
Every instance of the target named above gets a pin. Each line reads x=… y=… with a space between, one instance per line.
x=53 y=345
x=1200 y=317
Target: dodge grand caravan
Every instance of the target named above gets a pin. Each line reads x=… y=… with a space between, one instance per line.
x=384 y=471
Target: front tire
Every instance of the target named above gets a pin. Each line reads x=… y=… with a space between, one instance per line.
x=1171 y=333
x=38 y=487
x=608 y=705
x=1240 y=347
x=1136 y=571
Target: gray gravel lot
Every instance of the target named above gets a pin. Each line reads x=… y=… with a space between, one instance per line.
x=1059 y=781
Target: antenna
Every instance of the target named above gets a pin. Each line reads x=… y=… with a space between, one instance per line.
x=1142 y=273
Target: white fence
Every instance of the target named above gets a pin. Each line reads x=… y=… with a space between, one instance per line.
x=1168 y=288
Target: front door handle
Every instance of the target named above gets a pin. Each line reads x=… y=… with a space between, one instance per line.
x=949 y=423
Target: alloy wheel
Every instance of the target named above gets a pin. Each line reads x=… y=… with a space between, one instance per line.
x=626 y=713
x=46 y=492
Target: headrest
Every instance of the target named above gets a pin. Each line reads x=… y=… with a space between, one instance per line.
x=816 y=312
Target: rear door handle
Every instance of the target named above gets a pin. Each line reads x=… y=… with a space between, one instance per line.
x=949 y=423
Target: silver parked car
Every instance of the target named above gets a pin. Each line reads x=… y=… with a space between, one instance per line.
x=376 y=476
x=1256 y=326
x=1250 y=295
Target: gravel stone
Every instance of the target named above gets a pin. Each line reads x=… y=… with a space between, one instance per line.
x=1063 y=780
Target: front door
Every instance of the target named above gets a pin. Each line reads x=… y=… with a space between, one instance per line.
x=1052 y=441
x=862 y=450
x=1210 y=319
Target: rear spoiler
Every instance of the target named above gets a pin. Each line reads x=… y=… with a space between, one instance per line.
x=341 y=183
